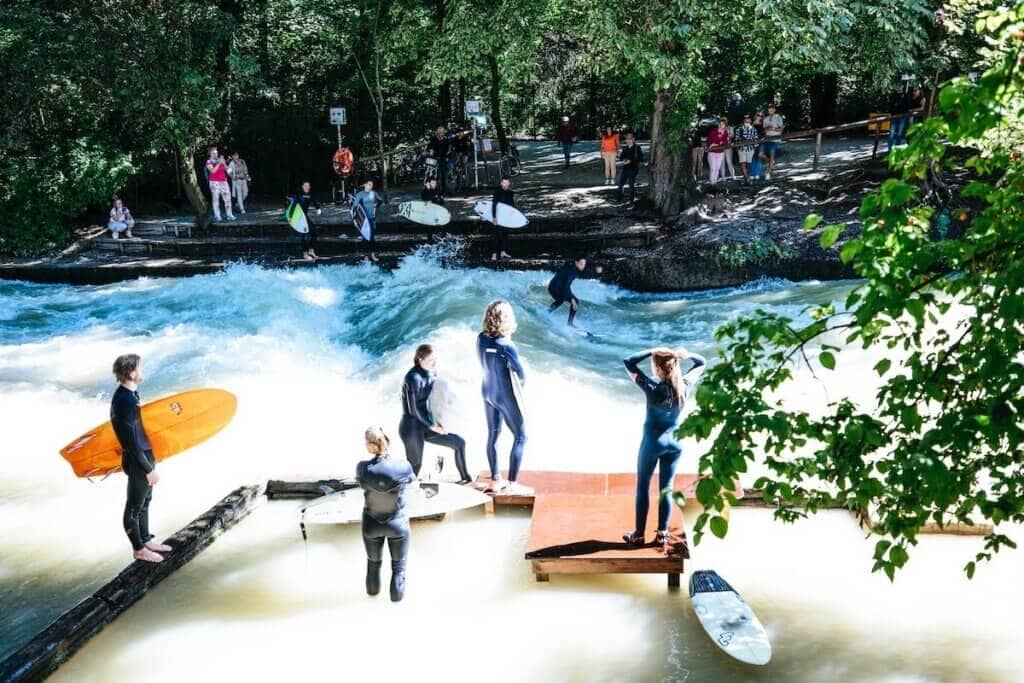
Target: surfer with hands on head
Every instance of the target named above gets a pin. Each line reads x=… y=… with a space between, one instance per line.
x=666 y=392
x=560 y=287
x=137 y=459
x=384 y=480
x=418 y=424
x=503 y=195
x=503 y=375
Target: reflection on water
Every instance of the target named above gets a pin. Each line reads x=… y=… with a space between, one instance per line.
x=314 y=357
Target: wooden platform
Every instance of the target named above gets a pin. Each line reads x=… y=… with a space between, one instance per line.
x=583 y=483
x=582 y=534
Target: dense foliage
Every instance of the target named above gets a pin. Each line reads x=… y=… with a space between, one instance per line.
x=942 y=441
x=136 y=90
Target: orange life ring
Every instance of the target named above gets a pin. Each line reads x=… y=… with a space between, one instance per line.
x=343 y=161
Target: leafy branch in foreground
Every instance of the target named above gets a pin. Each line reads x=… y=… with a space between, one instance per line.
x=943 y=441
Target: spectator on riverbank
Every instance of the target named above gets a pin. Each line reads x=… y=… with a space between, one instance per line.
x=918 y=102
x=774 y=124
x=240 y=179
x=758 y=162
x=609 y=150
x=120 y=220
x=728 y=167
x=718 y=139
x=744 y=132
x=217 y=177
x=631 y=157
x=697 y=153
x=566 y=134
x=899 y=108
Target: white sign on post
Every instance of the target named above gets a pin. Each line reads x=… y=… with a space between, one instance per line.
x=472 y=107
x=337 y=116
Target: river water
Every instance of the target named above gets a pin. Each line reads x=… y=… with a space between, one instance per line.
x=317 y=355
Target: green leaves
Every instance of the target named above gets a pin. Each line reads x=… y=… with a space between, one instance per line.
x=941 y=296
x=719 y=526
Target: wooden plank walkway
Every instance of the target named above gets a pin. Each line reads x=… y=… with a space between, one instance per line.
x=50 y=648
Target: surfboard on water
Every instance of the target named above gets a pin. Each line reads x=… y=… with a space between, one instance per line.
x=361 y=221
x=296 y=218
x=727 y=619
x=508 y=216
x=441 y=402
x=427 y=500
x=425 y=213
x=173 y=424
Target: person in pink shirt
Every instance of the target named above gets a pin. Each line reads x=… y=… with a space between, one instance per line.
x=718 y=140
x=220 y=190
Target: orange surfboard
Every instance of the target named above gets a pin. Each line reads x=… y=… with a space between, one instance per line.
x=173 y=424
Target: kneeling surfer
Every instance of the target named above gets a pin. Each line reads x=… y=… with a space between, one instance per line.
x=560 y=287
x=418 y=425
x=137 y=459
x=384 y=480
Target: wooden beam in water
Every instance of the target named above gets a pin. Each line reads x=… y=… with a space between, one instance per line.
x=291 y=490
x=55 y=644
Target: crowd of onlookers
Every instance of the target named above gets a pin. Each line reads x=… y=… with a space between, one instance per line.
x=723 y=147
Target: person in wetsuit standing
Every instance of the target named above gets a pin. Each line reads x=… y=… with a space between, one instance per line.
x=418 y=425
x=503 y=195
x=306 y=201
x=560 y=287
x=137 y=459
x=384 y=480
x=431 y=195
x=665 y=398
x=503 y=371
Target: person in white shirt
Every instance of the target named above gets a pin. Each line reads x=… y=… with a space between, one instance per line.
x=239 y=172
x=120 y=220
x=774 y=124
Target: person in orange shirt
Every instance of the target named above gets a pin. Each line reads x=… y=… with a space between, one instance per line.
x=609 y=151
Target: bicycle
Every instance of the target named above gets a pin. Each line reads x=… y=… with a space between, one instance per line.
x=509 y=165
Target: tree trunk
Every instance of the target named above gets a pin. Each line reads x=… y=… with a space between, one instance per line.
x=384 y=161
x=672 y=185
x=824 y=95
x=461 y=114
x=499 y=127
x=444 y=102
x=190 y=182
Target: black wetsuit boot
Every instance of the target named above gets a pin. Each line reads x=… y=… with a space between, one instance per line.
x=397 y=584
x=372 y=577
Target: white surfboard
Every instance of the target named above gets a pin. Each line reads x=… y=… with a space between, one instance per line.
x=425 y=213
x=508 y=216
x=346 y=507
x=727 y=619
x=441 y=402
x=361 y=221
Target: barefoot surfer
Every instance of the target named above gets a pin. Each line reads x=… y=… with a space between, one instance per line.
x=502 y=372
x=418 y=425
x=384 y=480
x=136 y=458
x=659 y=448
x=503 y=195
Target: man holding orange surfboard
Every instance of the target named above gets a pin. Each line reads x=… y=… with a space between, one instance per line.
x=137 y=459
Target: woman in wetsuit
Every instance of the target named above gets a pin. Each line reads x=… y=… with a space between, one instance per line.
x=665 y=398
x=502 y=372
x=418 y=425
x=384 y=480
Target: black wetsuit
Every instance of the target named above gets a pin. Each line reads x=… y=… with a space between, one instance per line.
x=633 y=156
x=305 y=200
x=560 y=289
x=658 y=447
x=415 y=427
x=500 y=360
x=384 y=480
x=501 y=196
x=136 y=461
x=433 y=197
x=439 y=149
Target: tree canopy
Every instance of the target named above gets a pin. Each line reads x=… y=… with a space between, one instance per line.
x=940 y=309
